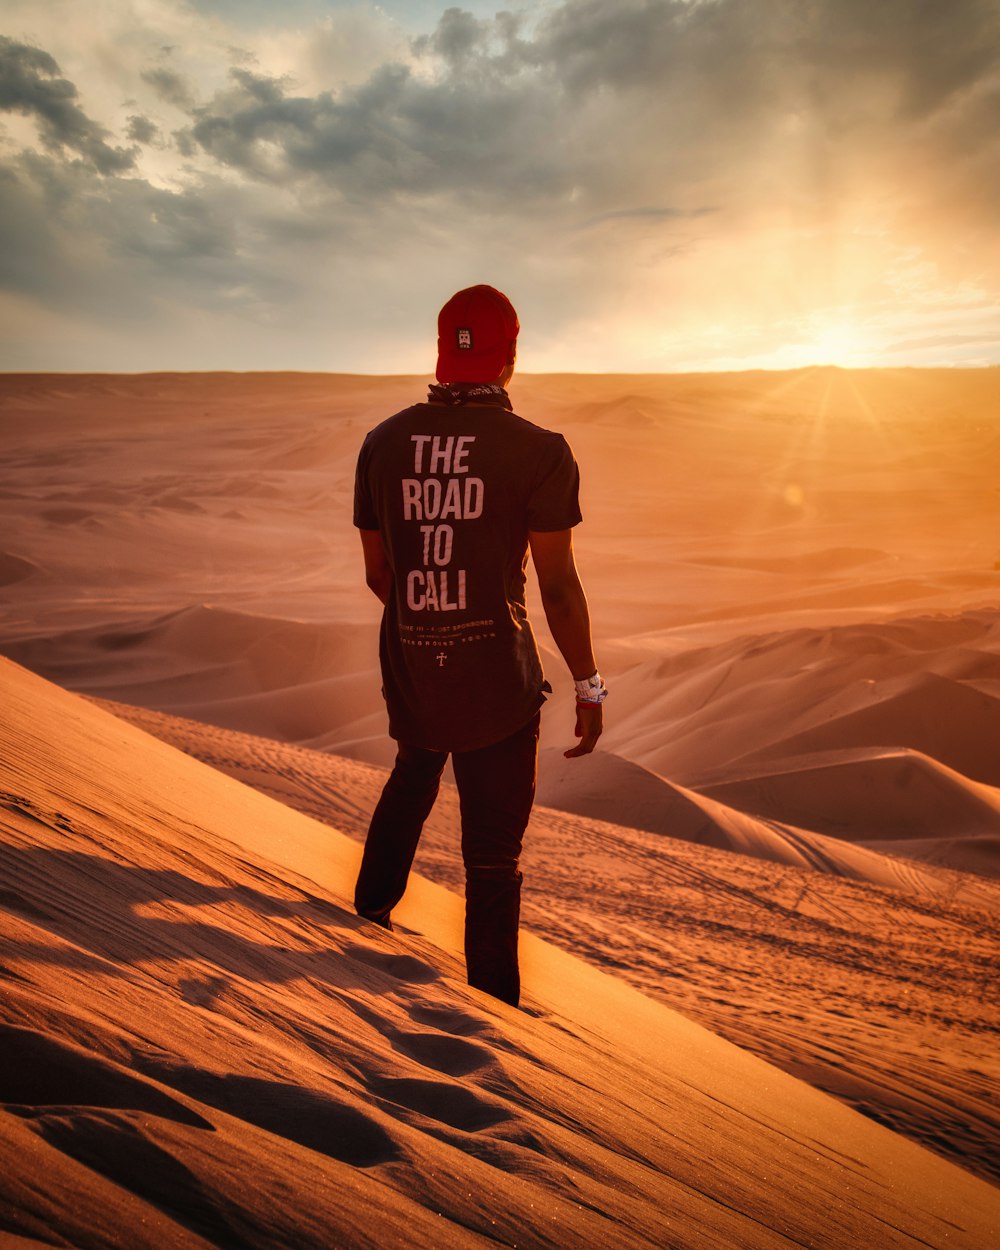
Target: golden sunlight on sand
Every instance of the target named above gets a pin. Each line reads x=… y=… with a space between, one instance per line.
x=762 y=922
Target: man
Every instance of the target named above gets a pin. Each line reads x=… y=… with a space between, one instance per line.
x=449 y=496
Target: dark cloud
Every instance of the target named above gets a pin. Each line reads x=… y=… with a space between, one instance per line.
x=169 y=228
x=142 y=130
x=722 y=86
x=812 y=51
x=395 y=134
x=30 y=84
x=466 y=43
x=116 y=247
x=458 y=36
x=32 y=258
x=925 y=53
x=610 y=104
x=591 y=43
x=171 y=87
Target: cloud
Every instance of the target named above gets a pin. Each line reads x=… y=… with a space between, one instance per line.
x=943 y=341
x=141 y=129
x=170 y=86
x=608 y=107
x=686 y=164
x=31 y=258
x=100 y=243
x=395 y=134
x=644 y=213
x=30 y=84
x=696 y=118
x=500 y=44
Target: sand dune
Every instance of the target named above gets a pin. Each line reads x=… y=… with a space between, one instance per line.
x=905 y=683
x=932 y=714
x=796 y=601
x=863 y=794
x=828 y=560
x=13 y=569
x=289 y=679
x=815 y=972
x=195 y=1005
x=975 y=853
x=306 y=683
x=613 y=788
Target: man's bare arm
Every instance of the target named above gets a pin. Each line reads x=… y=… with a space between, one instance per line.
x=568 y=615
x=378 y=574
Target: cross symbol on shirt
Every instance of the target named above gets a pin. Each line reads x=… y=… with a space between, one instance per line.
x=441 y=657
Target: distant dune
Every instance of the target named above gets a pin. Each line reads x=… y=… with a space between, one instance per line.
x=860 y=794
x=293 y=680
x=781 y=567
x=13 y=569
x=618 y=791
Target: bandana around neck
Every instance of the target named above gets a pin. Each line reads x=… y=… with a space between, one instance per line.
x=458 y=393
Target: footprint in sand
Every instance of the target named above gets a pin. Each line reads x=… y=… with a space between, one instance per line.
x=451 y=1056
x=16 y=902
x=459 y=1023
x=402 y=967
x=316 y=1119
x=450 y=1104
x=42 y=1078
x=449 y=1020
x=202 y=993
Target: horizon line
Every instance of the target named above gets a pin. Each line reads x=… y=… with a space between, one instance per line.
x=550 y=373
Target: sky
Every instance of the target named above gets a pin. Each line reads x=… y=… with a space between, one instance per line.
x=658 y=185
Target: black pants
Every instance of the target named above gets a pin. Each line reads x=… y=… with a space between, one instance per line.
x=496 y=789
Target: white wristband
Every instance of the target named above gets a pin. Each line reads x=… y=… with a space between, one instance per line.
x=591 y=689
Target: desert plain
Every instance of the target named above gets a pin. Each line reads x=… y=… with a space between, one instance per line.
x=760 y=924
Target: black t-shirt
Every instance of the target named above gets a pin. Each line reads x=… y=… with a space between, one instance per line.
x=454 y=491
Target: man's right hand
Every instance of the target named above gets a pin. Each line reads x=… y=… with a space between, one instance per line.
x=589 y=726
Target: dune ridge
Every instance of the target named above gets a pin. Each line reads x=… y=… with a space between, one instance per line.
x=283 y=677
x=395 y=1102
x=13 y=569
x=840 y=792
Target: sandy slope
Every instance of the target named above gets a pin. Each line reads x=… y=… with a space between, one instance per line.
x=188 y=1006
x=879 y=995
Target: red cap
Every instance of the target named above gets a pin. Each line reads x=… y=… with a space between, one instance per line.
x=477 y=329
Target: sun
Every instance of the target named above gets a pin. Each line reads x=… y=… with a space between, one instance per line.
x=832 y=343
